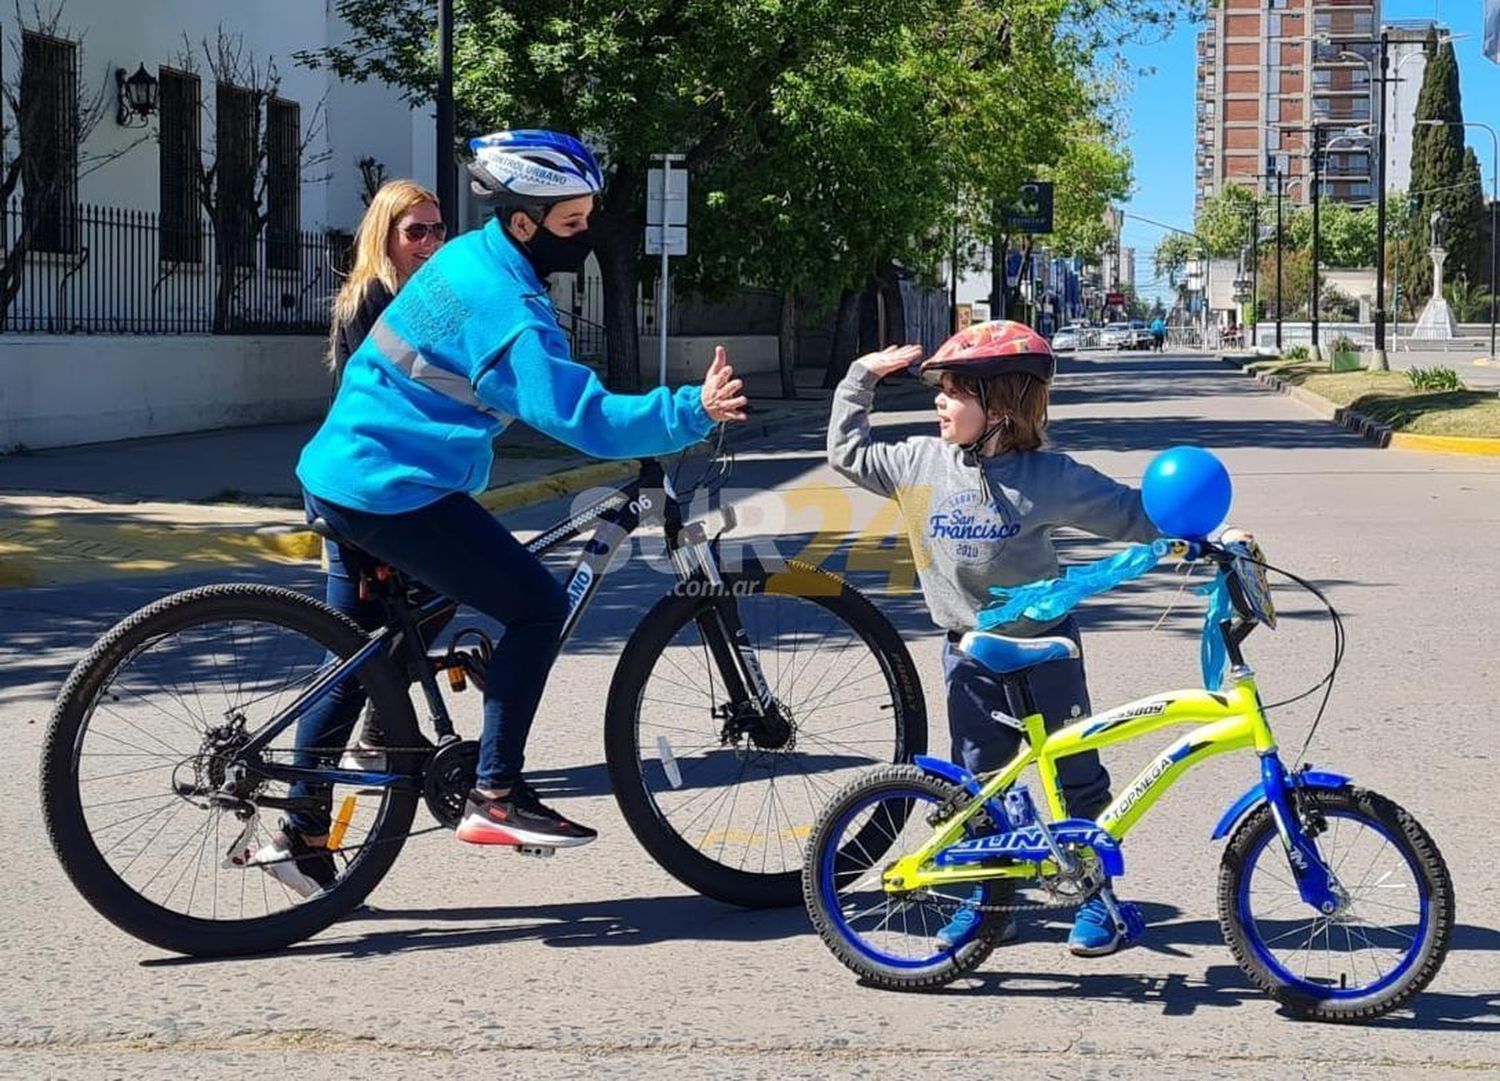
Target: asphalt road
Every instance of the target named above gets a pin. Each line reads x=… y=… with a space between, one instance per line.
x=476 y=962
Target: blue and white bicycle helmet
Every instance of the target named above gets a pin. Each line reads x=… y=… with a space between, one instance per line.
x=532 y=167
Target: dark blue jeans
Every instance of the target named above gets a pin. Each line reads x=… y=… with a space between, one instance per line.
x=459 y=549
x=981 y=743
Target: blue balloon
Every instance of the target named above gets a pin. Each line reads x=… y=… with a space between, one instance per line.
x=1187 y=492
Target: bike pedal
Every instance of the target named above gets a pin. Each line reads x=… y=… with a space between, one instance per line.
x=540 y=852
x=1134 y=921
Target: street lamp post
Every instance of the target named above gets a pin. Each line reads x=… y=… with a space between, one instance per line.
x=1378 y=361
x=1279 y=246
x=1317 y=188
x=1281 y=186
x=1494 y=201
x=447 y=177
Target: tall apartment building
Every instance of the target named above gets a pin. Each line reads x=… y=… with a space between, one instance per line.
x=1264 y=78
x=1408 y=65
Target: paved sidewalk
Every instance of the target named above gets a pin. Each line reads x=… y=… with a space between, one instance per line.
x=230 y=497
x=255 y=466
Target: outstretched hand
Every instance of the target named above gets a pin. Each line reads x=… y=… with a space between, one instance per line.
x=891 y=359
x=723 y=397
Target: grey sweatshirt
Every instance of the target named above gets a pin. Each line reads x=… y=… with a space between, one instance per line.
x=962 y=542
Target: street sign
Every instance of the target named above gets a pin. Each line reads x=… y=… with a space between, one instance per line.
x=1031 y=211
x=677 y=198
x=1114 y=300
x=676 y=240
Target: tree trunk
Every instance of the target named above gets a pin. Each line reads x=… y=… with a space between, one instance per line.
x=615 y=238
x=787 y=343
x=895 y=332
x=869 y=317
x=845 y=339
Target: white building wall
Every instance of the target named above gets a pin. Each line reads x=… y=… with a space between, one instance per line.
x=1408 y=65
x=361 y=119
x=144 y=386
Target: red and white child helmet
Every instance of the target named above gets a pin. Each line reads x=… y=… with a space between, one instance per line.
x=994 y=348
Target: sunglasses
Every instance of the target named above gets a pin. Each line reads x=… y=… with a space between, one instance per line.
x=419 y=231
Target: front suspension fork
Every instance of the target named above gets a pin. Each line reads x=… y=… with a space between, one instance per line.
x=1317 y=885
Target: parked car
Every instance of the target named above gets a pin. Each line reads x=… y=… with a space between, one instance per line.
x=1140 y=336
x=1065 y=340
x=1116 y=336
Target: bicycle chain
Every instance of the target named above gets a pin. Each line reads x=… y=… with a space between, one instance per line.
x=961 y=799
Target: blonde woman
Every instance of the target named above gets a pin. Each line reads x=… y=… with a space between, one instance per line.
x=399 y=232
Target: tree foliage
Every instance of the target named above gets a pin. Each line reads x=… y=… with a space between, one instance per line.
x=1444 y=176
x=829 y=140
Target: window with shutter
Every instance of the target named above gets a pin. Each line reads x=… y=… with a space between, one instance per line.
x=180 y=158
x=47 y=128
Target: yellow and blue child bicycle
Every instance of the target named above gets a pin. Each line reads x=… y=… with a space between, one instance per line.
x=1334 y=900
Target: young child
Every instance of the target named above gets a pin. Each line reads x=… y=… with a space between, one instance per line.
x=981 y=502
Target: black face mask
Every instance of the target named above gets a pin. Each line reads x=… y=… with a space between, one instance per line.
x=553 y=254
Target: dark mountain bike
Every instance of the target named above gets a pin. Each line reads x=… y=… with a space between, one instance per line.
x=741 y=702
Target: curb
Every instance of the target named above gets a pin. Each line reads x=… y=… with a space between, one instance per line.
x=1445 y=444
x=1373 y=431
x=303 y=545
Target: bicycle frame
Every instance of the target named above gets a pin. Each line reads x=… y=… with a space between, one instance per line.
x=616 y=517
x=1226 y=721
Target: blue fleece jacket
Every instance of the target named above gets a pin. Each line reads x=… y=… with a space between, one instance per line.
x=468 y=345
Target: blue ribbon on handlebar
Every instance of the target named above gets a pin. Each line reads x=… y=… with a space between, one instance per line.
x=1212 y=653
x=1050 y=599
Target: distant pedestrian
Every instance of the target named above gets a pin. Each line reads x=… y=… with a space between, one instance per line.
x=399 y=232
x=1158 y=333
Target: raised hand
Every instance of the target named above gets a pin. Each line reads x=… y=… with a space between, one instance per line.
x=723 y=396
x=893 y=358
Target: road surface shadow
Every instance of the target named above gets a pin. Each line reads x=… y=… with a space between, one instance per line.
x=630 y=921
x=1183 y=995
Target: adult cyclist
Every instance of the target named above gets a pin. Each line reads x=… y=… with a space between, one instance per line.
x=470 y=343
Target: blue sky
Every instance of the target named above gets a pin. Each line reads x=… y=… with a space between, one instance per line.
x=1161 y=107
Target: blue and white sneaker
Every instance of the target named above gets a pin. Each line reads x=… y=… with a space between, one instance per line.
x=1094 y=933
x=961 y=927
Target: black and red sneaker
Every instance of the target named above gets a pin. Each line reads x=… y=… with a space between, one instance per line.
x=517 y=819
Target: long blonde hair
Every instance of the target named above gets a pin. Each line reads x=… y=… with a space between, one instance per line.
x=372 y=259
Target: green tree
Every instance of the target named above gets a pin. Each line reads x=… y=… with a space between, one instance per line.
x=1296 y=283
x=1224 y=221
x=1093 y=172
x=1347 y=236
x=1173 y=253
x=798 y=114
x=1442 y=178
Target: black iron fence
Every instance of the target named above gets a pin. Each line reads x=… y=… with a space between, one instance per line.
x=116 y=271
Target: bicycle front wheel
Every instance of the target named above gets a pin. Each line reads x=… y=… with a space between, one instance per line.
x=1391 y=931
x=145 y=733
x=722 y=811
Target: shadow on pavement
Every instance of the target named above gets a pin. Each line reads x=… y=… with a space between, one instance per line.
x=632 y=921
x=1183 y=995
x=1155 y=433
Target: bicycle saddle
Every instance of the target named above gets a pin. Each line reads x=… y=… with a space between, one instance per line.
x=1002 y=654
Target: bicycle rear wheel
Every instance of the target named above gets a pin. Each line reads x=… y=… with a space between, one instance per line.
x=891 y=940
x=722 y=813
x=149 y=722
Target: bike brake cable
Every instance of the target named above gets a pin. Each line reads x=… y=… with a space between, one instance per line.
x=1340 y=639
